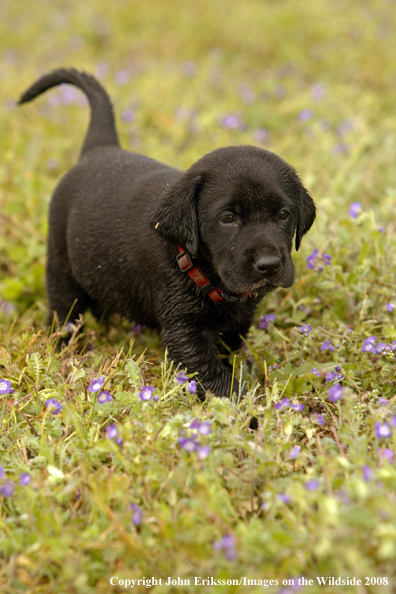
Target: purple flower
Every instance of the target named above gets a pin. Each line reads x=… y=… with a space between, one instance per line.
x=390 y=307
x=202 y=451
x=68 y=94
x=311 y=259
x=326 y=346
x=102 y=69
x=293 y=587
x=247 y=94
x=188 y=444
x=326 y=259
x=54 y=99
x=305 y=115
x=205 y=428
x=284 y=498
x=311 y=485
x=265 y=320
x=7 y=489
x=382 y=430
x=195 y=424
x=112 y=431
x=70 y=327
x=282 y=403
x=296 y=406
x=96 y=384
x=146 y=393
x=232 y=122
x=355 y=210
x=128 y=116
x=2 y=473
x=386 y=454
x=335 y=393
x=188 y=68
x=333 y=375
x=6 y=307
x=341 y=149
x=342 y=496
x=263 y=323
x=192 y=387
x=137 y=515
x=294 y=452
x=260 y=135
x=5 y=387
x=367 y=473
x=383 y=401
x=380 y=347
x=315 y=372
x=345 y=126
x=181 y=378
x=184 y=113
x=306 y=329
x=226 y=544
x=318 y=91
x=104 y=396
x=368 y=345
x=393 y=421
x=25 y=479
x=318 y=418
x=53 y=406
x=121 y=77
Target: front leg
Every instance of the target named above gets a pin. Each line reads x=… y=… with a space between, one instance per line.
x=194 y=348
x=231 y=340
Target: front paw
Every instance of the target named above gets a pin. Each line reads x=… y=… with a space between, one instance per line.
x=220 y=386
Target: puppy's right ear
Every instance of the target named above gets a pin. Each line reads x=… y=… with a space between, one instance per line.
x=175 y=218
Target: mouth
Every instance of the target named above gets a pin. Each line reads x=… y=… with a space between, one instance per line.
x=256 y=288
x=259 y=288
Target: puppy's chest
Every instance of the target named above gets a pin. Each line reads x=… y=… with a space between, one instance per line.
x=226 y=317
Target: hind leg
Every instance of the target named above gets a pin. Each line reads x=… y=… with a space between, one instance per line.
x=66 y=297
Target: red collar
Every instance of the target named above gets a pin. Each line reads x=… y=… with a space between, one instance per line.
x=196 y=274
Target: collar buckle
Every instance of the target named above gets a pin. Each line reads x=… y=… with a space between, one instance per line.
x=184 y=261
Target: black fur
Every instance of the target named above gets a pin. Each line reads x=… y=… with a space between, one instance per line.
x=116 y=219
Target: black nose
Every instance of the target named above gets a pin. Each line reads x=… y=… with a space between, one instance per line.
x=269 y=264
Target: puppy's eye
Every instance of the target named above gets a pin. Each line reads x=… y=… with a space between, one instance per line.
x=283 y=214
x=228 y=218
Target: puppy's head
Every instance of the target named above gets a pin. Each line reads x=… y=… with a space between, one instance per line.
x=239 y=209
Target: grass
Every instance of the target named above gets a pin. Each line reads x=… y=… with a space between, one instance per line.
x=313 y=82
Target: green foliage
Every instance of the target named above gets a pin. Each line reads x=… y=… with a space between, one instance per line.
x=313 y=82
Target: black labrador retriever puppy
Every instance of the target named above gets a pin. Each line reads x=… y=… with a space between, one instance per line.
x=189 y=253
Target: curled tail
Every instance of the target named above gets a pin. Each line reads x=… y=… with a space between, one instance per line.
x=102 y=130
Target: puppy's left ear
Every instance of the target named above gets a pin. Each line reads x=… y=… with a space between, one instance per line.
x=175 y=218
x=306 y=214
